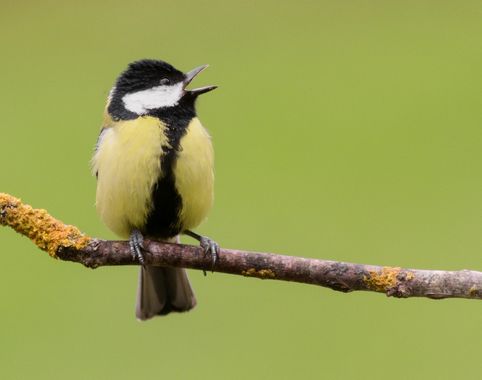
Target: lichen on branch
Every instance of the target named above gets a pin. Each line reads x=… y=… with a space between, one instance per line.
x=46 y=232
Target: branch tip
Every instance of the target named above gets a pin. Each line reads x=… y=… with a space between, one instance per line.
x=46 y=232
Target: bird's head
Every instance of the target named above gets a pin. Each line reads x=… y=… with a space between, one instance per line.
x=148 y=85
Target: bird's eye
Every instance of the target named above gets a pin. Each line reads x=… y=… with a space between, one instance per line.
x=164 y=81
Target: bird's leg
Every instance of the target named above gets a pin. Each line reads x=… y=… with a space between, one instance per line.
x=136 y=242
x=210 y=247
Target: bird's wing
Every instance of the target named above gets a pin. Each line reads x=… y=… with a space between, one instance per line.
x=106 y=124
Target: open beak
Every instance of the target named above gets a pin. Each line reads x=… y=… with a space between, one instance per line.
x=190 y=76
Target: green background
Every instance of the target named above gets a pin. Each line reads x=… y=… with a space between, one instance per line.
x=345 y=130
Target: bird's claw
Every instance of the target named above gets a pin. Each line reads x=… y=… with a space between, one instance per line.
x=211 y=248
x=136 y=243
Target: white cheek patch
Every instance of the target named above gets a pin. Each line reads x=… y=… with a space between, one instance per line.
x=157 y=97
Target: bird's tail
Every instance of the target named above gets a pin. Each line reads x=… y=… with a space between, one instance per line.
x=163 y=290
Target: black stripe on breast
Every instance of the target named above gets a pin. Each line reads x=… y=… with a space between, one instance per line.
x=163 y=220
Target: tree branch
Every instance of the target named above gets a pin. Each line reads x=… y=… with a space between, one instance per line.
x=68 y=243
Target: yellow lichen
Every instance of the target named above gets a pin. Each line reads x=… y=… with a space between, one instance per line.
x=410 y=276
x=262 y=273
x=473 y=291
x=48 y=233
x=382 y=281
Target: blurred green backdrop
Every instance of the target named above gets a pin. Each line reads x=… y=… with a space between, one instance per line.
x=343 y=130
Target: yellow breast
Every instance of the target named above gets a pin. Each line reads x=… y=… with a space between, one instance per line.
x=128 y=162
x=194 y=175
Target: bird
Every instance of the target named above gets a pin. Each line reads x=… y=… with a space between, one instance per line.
x=154 y=164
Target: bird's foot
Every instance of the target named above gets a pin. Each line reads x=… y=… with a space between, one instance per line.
x=209 y=246
x=136 y=243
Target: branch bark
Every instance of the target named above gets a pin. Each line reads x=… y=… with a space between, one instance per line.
x=68 y=243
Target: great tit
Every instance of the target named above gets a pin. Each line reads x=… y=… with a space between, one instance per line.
x=154 y=166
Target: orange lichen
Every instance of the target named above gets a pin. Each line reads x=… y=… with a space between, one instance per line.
x=261 y=273
x=384 y=280
x=48 y=233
